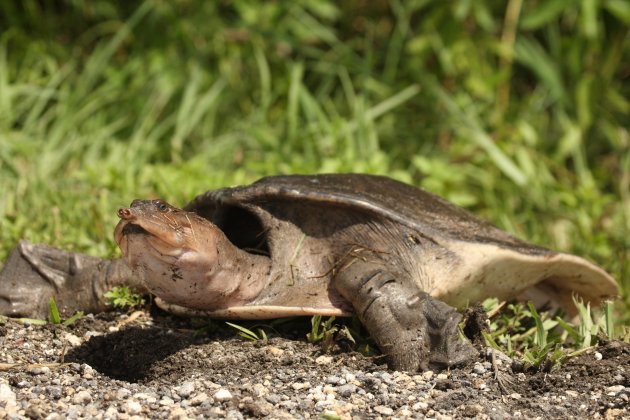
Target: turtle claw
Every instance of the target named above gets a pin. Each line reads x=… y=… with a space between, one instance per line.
x=448 y=348
x=415 y=331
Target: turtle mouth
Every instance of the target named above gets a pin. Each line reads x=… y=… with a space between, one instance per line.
x=124 y=230
x=133 y=229
x=134 y=241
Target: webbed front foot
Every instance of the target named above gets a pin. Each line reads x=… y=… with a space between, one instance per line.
x=415 y=331
x=34 y=273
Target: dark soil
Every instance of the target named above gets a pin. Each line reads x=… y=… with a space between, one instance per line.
x=155 y=360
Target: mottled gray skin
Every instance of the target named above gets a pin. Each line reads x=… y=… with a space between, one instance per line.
x=355 y=244
x=34 y=273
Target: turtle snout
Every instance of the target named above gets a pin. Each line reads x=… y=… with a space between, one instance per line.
x=124 y=213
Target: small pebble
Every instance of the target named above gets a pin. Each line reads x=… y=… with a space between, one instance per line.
x=598 y=356
x=381 y=409
x=72 y=339
x=87 y=370
x=479 y=369
x=274 y=398
x=323 y=404
x=333 y=380
x=347 y=390
x=300 y=385
x=123 y=393
x=132 y=407
x=614 y=390
x=6 y=394
x=82 y=397
x=324 y=360
x=222 y=395
x=200 y=399
x=186 y=389
x=420 y=406
x=39 y=370
x=111 y=413
x=275 y=351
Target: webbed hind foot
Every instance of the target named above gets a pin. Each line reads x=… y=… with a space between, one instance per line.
x=415 y=331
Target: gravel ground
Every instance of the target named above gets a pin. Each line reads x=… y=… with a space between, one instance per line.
x=138 y=366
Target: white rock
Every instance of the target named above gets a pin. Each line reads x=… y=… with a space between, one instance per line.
x=260 y=390
x=72 y=339
x=442 y=376
x=178 y=413
x=111 y=413
x=166 y=401
x=427 y=375
x=149 y=399
x=186 y=389
x=222 y=395
x=324 y=404
x=82 y=397
x=8 y=399
x=275 y=351
x=199 y=399
x=132 y=407
x=39 y=370
x=386 y=411
x=91 y=334
x=300 y=385
x=598 y=356
x=327 y=389
x=122 y=393
x=615 y=389
x=420 y=406
x=324 y=360
x=6 y=393
x=85 y=368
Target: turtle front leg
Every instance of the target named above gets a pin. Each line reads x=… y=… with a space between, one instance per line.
x=34 y=273
x=414 y=330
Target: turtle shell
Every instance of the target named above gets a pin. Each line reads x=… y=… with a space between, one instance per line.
x=476 y=259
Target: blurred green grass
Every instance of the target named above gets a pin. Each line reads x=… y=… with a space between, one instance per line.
x=518 y=111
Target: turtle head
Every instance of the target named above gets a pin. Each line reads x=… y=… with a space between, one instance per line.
x=169 y=231
x=184 y=258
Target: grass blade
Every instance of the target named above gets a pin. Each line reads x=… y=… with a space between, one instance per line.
x=55 y=318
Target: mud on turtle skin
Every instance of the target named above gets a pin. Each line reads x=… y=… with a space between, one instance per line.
x=394 y=255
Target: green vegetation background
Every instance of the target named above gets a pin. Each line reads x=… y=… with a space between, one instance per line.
x=518 y=111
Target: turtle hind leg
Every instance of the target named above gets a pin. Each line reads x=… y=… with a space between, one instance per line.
x=415 y=331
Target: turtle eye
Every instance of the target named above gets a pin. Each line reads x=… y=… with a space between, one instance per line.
x=162 y=206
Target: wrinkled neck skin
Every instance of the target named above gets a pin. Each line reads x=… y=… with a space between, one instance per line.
x=191 y=264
